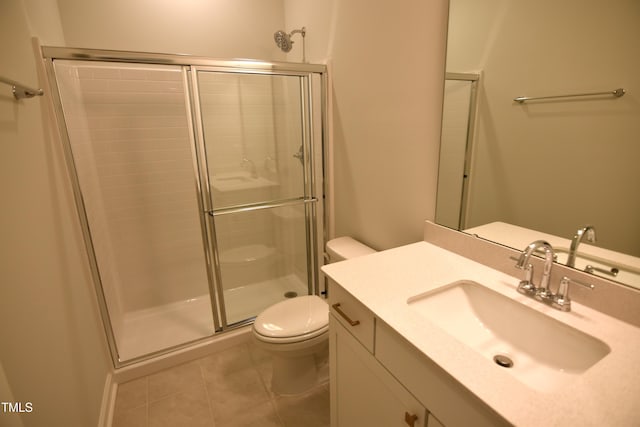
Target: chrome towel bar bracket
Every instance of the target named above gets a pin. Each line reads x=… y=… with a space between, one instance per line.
x=21 y=91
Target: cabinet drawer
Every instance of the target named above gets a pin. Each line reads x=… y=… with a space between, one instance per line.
x=352 y=314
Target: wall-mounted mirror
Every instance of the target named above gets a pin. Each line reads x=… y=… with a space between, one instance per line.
x=511 y=171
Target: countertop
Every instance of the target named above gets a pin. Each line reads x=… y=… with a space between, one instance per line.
x=606 y=394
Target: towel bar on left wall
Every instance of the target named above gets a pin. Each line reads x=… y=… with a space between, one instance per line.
x=21 y=91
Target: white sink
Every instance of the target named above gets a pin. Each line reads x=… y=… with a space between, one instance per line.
x=546 y=353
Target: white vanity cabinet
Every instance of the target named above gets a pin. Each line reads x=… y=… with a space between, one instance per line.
x=378 y=379
x=363 y=393
x=401 y=356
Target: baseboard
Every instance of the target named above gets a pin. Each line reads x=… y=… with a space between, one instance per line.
x=163 y=362
x=108 y=401
x=196 y=351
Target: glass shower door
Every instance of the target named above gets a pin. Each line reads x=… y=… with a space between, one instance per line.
x=256 y=136
x=198 y=185
x=128 y=128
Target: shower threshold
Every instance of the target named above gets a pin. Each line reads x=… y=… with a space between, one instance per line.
x=150 y=330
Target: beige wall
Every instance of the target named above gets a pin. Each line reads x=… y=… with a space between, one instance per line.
x=554 y=166
x=387 y=71
x=6 y=395
x=386 y=63
x=51 y=339
x=319 y=18
x=216 y=28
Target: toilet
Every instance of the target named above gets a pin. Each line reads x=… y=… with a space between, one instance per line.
x=295 y=332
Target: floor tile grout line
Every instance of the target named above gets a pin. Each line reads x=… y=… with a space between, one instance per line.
x=147 y=418
x=206 y=392
x=267 y=388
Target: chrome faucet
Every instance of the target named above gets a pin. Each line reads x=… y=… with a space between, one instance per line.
x=561 y=301
x=526 y=286
x=590 y=232
x=543 y=293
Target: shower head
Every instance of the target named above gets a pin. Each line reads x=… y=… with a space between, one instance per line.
x=283 y=40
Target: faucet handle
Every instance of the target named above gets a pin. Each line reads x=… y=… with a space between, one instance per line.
x=561 y=300
x=526 y=286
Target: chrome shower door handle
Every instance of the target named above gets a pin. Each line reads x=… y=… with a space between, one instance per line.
x=300 y=155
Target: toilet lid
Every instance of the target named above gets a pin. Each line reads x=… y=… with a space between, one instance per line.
x=304 y=316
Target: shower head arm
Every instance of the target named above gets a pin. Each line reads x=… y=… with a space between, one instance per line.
x=302 y=31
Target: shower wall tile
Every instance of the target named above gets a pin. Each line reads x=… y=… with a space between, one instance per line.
x=282 y=230
x=100 y=234
x=130 y=137
x=238 y=120
x=106 y=71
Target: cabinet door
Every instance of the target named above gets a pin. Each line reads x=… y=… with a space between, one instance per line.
x=363 y=393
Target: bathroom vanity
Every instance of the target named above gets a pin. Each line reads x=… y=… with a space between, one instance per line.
x=402 y=354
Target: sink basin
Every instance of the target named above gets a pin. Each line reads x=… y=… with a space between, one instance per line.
x=543 y=352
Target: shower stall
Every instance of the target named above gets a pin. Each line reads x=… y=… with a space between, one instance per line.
x=199 y=187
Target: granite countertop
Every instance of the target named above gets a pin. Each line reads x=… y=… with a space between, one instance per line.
x=605 y=394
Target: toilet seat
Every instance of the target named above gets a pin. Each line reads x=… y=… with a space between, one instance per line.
x=293 y=320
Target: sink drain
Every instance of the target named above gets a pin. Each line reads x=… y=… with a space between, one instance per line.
x=290 y=294
x=502 y=360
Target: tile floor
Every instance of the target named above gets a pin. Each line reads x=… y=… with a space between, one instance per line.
x=226 y=389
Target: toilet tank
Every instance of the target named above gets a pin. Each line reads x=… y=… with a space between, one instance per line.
x=346 y=247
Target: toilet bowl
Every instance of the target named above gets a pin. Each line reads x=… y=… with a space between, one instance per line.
x=295 y=331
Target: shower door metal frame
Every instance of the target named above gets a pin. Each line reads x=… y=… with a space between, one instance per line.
x=309 y=198
x=189 y=63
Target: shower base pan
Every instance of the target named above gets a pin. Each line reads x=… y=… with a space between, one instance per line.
x=150 y=330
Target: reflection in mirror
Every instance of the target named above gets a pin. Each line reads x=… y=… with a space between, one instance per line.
x=545 y=167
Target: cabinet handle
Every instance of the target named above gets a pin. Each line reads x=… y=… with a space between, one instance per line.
x=336 y=306
x=410 y=419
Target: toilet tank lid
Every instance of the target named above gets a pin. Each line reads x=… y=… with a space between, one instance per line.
x=347 y=247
